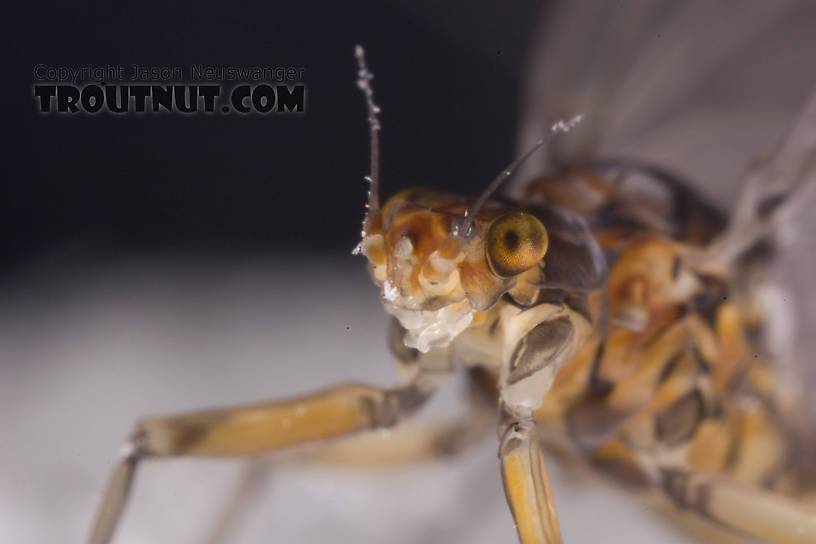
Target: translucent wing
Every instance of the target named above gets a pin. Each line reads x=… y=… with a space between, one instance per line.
x=697 y=87
x=715 y=92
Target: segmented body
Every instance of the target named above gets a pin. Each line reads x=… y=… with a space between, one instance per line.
x=675 y=378
x=641 y=365
x=608 y=325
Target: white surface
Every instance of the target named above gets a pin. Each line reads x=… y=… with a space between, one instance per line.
x=84 y=353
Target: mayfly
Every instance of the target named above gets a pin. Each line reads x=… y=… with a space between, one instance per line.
x=607 y=313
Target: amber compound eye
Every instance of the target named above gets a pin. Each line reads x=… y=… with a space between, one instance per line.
x=515 y=242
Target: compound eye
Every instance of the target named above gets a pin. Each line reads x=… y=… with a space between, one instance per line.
x=515 y=242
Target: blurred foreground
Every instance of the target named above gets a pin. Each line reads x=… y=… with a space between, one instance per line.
x=85 y=353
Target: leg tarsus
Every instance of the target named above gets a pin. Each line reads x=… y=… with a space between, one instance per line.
x=253 y=479
x=116 y=492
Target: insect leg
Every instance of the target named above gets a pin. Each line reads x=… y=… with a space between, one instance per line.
x=258 y=429
x=404 y=445
x=527 y=484
x=254 y=479
x=115 y=494
x=746 y=509
x=421 y=441
x=547 y=335
x=771 y=193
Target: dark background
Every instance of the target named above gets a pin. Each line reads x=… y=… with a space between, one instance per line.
x=447 y=79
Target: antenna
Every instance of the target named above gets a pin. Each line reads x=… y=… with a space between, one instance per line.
x=364 y=78
x=470 y=213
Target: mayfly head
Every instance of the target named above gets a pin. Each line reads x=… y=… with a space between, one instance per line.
x=433 y=279
x=438 y=257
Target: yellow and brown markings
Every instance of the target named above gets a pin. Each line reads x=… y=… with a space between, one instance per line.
x=595 y=313
x=527 y=485
x=515 y=242
x=617 y=458
x=416 y=249
x=630 y=198
x=262 y=427
x=674 y=380
x=539 y=347
x=581 y=191
x=568 y=387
